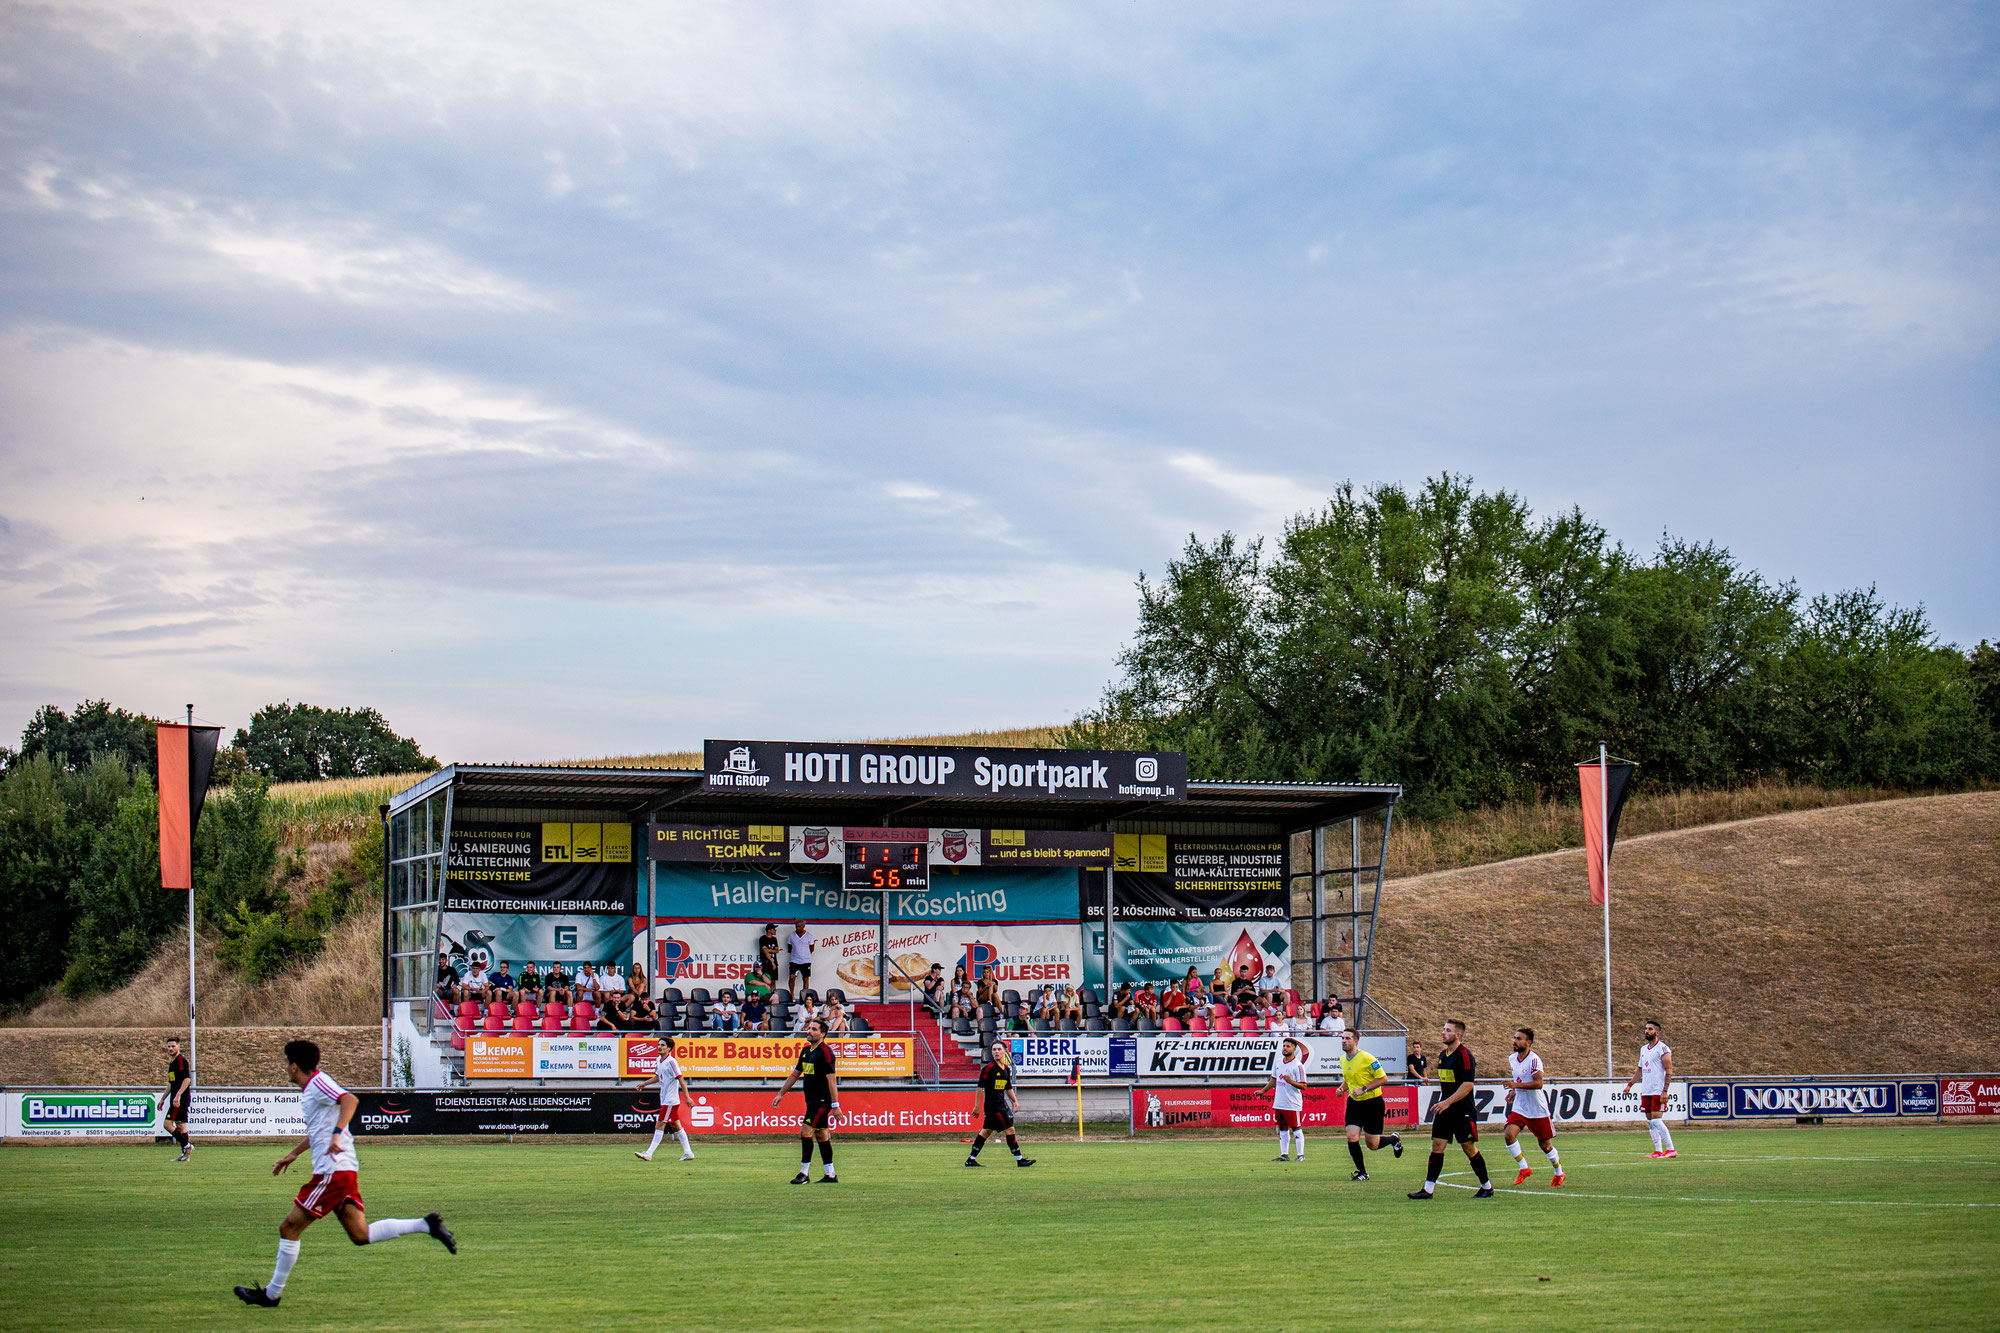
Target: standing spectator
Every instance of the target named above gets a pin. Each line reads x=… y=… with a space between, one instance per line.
x=767 y=952
x=756 y=1012
x=1419 y=1062
x=799 y=947
x=757 y=985
x=933 y=989
x=725 y=1013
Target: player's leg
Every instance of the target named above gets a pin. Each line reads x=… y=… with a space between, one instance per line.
x=1284 y=1140
x=1354 y=1137
x=1514 y=1150
x=1014 y=1146
x=1471 y=1145
x=1434 y=1167
x=681 y=1133
x=1666 y=1138
x=1548 y=1147
x=805 y=1151
x=659 y=1133
x=825 y=1135
x=978 y=1142
x=289 y=1231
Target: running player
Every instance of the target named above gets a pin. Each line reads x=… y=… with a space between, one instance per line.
x=1656 y=1070
x=1287 y=1086
x=1528 y=1107
x=180 y=1093
x=1365 y=1079
x=998 y=1103
x=1455 y=1117
x=822 y=1089
x=667 y=1077
x=334 y=1187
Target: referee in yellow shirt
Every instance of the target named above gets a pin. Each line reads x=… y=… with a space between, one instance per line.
x=1363 y=1075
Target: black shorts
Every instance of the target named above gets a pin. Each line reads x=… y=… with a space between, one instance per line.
x=819 y=1115
x=998 y=1117
x=176 y=1108
x=1455 y=1126
x=1365 y=1113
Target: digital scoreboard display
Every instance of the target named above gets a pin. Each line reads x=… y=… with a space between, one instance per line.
x=885 y=867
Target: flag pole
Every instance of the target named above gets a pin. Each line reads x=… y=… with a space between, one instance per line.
x=1604 y=850
x=188 y=735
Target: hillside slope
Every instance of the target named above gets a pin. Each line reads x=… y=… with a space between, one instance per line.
x=1856 y=939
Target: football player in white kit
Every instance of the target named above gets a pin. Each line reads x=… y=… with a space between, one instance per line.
x=335 y=1186
x=1287 y=1086
x=672 y=1084
x=1656 y=1070
x=1528 y=1107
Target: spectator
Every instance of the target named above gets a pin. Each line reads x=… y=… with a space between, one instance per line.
x=529 y=984
x=585 y=984
x=809 y=999
x=1146 y=1002
x=725 y=1013
x=799 y=948
x=1269 y=981
x=1071 y=1004
x=988 y=989
x=1419 y=1062
x=611 y=1015
x=757 y=985
x=756 y=1011
x=635 y=982
x=475 y=983
x=1190 y=986
x=932 y=990
x=803 y=1014
x=1218 y=986
x=500 y=985
x=959 y=978
x=609 y=979
x=1244 y=982
x=1331 y=1019
x=836 y=1018
x=1274 y=1014
x=447 y=980
x=1246 y=1004
x=557 y=985
x=645 y=1012
x=1176 y=1004
x=767 y=952
x=1045 y=1005
x=1121 y=1002
x=1023 y=1021
x=964 y=1004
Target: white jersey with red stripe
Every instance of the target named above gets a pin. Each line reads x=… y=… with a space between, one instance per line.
x=1528 y=1101
x=669 y=1071
x=1285 y=1097
x=319 y=1103
x=1653 y=1069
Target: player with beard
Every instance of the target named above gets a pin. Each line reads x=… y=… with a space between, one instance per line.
x=822 y=1089
x=998 y=1104
x=335 y=1187
x=1287 y=1087
x=180 y=1092
x=1528 y=1108
x=1656 y=1071
x=1455 y=1117
x=673 y=1092
x=1365 y=1078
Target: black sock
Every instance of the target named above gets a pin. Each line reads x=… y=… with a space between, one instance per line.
x=1354 y=1151
x=1387 y=1141
x=1479 y=1169
x=1013 y=1145
x=180 y=1137
x=978 y=1142
x=1435 y=1166
x=826 y=1151
x=805 y=1151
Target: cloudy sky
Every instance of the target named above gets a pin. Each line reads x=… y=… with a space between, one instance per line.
x=566 y=381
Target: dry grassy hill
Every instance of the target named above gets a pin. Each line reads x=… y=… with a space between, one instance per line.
x=1864 y=938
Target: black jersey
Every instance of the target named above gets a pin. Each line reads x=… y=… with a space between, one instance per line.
x=177 y=1075
x=1454 y=1071
x=815 y=1066
x=997 y=1080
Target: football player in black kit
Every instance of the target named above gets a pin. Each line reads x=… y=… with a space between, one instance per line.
x=1456 y=1115
x=180 y=1091
x=997 y=1104
x=822 y=1089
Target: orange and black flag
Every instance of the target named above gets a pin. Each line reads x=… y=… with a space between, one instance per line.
x=1601 y=806
x=187 y=758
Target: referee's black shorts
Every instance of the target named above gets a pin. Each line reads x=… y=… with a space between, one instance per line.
x=1365 y=1114
x=1455 y=1126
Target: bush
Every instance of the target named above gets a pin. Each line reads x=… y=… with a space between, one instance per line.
x=259 y=945
x=122 y=913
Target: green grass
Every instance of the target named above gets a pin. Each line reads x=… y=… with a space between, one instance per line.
x=1807 y=1228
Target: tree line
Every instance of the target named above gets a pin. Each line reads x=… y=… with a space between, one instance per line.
x=80 y=899
x=1449 y=640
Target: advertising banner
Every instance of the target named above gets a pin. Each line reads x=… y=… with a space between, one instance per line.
x=750 y=1055
x=245 y=1113
x=1164 y=877
x=1018 y=957
x=862 y=1111
x=1970 y=1096
x=1048 y=847
x=560 y=869
x=1171 y=1055
x=1161 y=951
x=1569 y=1103
x=783 y=894
x=625 y=1111
x=715 y=954
x=716 y=844
x=499 y=1057
x=488 y=938
x=1223 y=1108
x=78 y=1115
x=820 y=768
x=1920 y=1098
x=1823 y=1099
x=1054 y=1055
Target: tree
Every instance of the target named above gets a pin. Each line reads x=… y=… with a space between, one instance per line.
x=122 y=912
x=70 y=740
x=290 y=742
x=48 y=820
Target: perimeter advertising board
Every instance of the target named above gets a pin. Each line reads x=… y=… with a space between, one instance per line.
x=78 y=1115
x=1970 y=1096
x=615 y=1111
x=1225 y=1108
x=1569 y=1103
x=1184 y=902
x=1173 y=1055
x=714 y=1055
x=822 y=768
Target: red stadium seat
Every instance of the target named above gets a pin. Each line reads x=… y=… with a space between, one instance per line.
x=468 y=1009
x=1197 y=1024
x=552 y=1023
x=457 y=1040
x=555 y=1009
x=578 y=1023
x=1246 y=1025
x=1218 y=1015
x=586 y=1011
x=1291 y=1008
x=524 y=1023
x=1315 y=1010
x=504 y=1011
x=1172 y=1025
x=525 y=1008
x=494 y=1024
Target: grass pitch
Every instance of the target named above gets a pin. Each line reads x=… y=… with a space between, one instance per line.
x=1804 y=1228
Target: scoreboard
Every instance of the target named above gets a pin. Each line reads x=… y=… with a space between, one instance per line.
x=885 y=867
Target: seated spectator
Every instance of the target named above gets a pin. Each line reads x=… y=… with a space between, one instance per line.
x=556 y=985
x=756 y=986
x=1191 y=986
x=585 y=984
x=931 y=992
x=964 y=1004
x=500 y=985
x=1269 y=981
x=611 y=1015
x=988 y=989
x=1245 y=1005
x=836 y=1018
x=1218 y=985
x=1023 y=1021
x=808 y=999
x=1121 y=1002
x=1176 y=1004
x=635 y=982
x=645 y=1012
x=1071 y=1004
x=959 y=978
x=529 y=984
x=1146 y=1002
x=1299 y=1024
x=447 y=980
x=757 y=1012
x=1331 y=1019
x=475 y=983
x=803 y=1014
x=725 y=1013
x=608 y=978
x=1244 y=982
x=1273 y=1014
x=1047 y=1004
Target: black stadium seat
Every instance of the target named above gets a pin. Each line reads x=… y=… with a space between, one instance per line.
x=1067 y=1025
x=673 y=993
x=781 y=996
x=1042 y=1025
x=1095 y=1024
x=699 y=995
x=1147 y=1025
x=962 y=1026
x=987 y=1012
x=1010 y=997
x=859 y=1024
x=1121 y=1025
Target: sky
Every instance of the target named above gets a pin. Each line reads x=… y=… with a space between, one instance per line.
x=576 y=380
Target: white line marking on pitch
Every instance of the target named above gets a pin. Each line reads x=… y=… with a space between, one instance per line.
x=1566 y=1192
